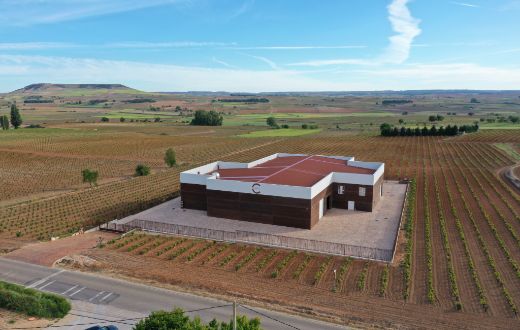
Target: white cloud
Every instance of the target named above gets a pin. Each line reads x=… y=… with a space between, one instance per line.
x=444 y=76
x=17 y=71
x=226 y=64
x=465 y=4
x=398 y=51
x=24 y=70
x=172 y=44
x=35 y=45
x=31 y=12
x=407 y=28
x=267 y=61
x=298 y=47
x=244 y=8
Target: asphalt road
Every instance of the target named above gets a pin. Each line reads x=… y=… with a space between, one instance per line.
x=97 y=298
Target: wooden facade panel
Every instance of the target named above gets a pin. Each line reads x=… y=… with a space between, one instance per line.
x=292 y=222
x=259 y=208
x=193 y=196
x=351 y=193
x=282 y=211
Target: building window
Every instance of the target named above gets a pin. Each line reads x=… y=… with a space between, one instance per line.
x=341 y=190
x=362 y=191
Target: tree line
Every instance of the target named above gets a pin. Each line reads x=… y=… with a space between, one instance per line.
x=389 y=130
x=248 y=100
x=207 y=118
x=16 y=119
x=393 y=102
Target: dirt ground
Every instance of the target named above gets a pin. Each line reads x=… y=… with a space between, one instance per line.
x=46 y=253
x=353 y=308
x=10 y=320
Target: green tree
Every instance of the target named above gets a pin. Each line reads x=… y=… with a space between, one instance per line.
x=271 y=121
x=169 y=158
x=176 y=320
x=207 y=118
x=514 y=119
x=142 y=170
x=16 y=118
x=122 y=119
x=105 y=119
x=90 y=177
x=4 y=122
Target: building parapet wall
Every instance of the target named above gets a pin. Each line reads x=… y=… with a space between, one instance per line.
x=213 y=183
x=202 y=176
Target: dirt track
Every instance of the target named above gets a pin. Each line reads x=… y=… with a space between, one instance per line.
x=46 y=253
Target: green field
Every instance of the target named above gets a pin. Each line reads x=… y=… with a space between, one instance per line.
x=284 y=132
x=509 y=149
x=499 y=126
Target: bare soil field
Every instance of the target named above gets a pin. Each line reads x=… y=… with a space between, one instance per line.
x=47 y=253
x=312 y=293
x=11 y=320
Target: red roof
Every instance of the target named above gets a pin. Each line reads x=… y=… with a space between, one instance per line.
x=302 y=171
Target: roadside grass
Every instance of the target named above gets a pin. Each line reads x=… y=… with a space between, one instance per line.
x=284 y=132
x=17 y=298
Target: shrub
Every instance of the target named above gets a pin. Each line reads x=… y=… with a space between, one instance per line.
x=169 y=158
x=32 y=302
x=90 y=176
x=177 y=320
x=142 y=170
x=281 y=265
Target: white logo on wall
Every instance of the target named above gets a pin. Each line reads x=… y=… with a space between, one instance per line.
x=256 y=188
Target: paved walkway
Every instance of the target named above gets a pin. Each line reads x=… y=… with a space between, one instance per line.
x=375 y=229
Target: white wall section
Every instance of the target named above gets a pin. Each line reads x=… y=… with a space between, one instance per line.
x=203 y=175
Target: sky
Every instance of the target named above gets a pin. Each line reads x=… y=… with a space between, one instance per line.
x=262 y=45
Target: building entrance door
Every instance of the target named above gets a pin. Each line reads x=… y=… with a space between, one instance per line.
x=351 y=205
x=321 y=208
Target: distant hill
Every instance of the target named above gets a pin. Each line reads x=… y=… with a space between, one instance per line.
x=45 y=88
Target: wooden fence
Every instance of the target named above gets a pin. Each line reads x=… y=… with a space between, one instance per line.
x=257 y=238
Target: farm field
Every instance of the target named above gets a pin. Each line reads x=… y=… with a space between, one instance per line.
x=280 y=133
x=459 y=249
x=464 y=224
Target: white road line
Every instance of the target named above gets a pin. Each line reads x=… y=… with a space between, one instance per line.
x=45 y=279
x=105 y=297
x=70 y=289
x=46 y=285
x=99 y=293
x=78 y=291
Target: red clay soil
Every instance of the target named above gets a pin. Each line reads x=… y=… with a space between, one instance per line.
x=46 y=253
x=353 y=309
